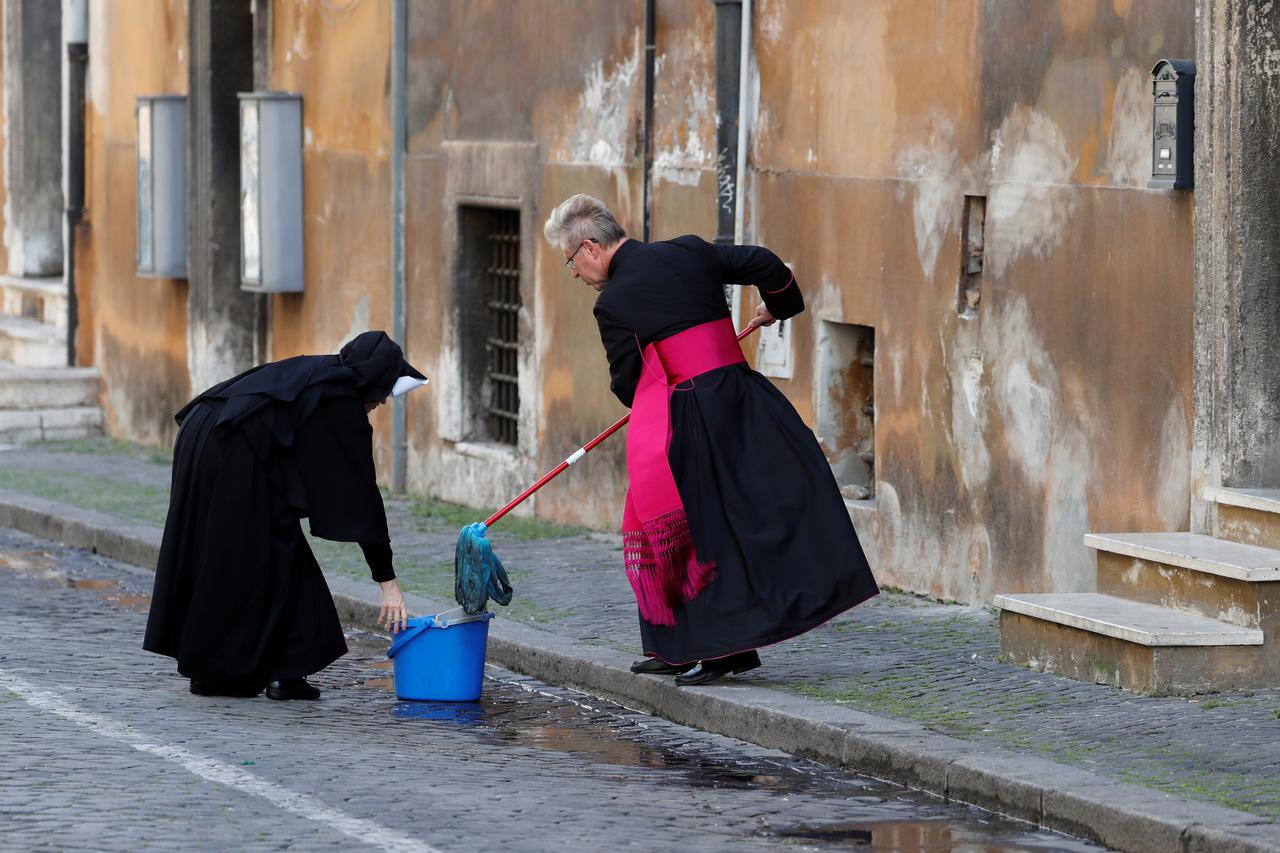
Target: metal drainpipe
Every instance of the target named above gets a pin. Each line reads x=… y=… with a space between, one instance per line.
x=744 y=129
x=650 y=28
x=728 y=70
x=76 y=28
x=399 y=136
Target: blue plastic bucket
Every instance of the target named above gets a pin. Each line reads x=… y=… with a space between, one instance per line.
x=441 y=658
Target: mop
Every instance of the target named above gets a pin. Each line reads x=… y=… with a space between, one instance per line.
x=478 y=574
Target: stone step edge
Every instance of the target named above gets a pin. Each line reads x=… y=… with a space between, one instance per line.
x=28 y=331
x=1153 y=554
x=10 y=372
x=1073 y=611
x=1262 y=500
x=1042 y=792
x=53 y=286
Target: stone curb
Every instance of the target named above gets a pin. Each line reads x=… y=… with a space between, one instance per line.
x=1077 y=802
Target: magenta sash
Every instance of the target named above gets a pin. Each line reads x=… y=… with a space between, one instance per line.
x=657 y=546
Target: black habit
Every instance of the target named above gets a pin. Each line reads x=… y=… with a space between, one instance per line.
x=760 y=498
x=239 y=599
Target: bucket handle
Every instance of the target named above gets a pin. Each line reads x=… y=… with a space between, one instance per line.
x=440 y=620
x=405 y=636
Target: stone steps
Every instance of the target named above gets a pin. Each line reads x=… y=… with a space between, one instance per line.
x=1173 y=612
x=23 y=425
x=1205 y=554
x=1131 y=621
x=29 y=343
x=41 y=399
x=1136 y=646
x=41 y=299
x=1248 y=516
x=47 y=387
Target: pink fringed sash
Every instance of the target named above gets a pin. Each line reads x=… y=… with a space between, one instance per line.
x=657 y=544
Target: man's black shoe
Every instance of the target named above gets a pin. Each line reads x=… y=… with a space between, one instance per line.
x=710 y=670
x=657 y=666
x=292 y=688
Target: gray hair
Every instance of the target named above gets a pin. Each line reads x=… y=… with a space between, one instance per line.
x=582 y=217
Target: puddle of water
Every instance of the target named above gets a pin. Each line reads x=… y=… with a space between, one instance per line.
x=92 y=583
x=109 y=590
x=468 y=714
x=596 y=731
x=139 y=603
x=915 y=835
x=39 y=563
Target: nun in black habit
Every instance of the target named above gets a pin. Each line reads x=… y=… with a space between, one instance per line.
x=239 y=599
x=735 y=535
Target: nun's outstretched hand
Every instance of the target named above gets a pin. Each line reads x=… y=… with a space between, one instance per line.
x=393 y=612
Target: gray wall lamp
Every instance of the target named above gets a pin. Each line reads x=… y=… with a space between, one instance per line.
x=271 y=192
x=161 y=239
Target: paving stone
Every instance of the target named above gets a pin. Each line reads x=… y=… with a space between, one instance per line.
x=897 y=656
x=530 y=767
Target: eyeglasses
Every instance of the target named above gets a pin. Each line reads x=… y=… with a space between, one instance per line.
x=568 y=262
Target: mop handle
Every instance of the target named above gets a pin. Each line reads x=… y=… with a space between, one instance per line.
x=575 y=456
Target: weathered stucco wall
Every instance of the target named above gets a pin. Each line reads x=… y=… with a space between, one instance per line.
x=509 y=107
x=133 y=329
x=1014 y=408
x=337 y=56
x=1063 y=405
x=1060 y=405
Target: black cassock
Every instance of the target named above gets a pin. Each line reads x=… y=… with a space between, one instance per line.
x=239 y=599
x=758 y=492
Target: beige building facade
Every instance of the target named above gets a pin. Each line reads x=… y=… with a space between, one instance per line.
x=998 y=349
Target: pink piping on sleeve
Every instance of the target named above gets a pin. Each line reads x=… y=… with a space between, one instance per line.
x=784 y=287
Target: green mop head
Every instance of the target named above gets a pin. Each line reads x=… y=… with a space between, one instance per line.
x=477 y=572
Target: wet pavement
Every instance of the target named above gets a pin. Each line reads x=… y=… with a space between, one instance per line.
x=102 y=747
x=897 y=657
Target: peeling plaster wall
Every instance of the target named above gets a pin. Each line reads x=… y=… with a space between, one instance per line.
x=133 y=329
x=1062 y=406
x=565 y=105
x=338 y=57
x=1000 y=439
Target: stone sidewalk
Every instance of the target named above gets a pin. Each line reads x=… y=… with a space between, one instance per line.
x=901 y=688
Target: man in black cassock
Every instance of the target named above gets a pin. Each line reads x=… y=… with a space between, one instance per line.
x=239 y=599
x=753 y=545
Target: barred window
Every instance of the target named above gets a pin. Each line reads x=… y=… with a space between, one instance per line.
x=488 y=299
x=503 y=342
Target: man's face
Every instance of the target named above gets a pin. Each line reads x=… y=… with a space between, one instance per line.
x=586 y=262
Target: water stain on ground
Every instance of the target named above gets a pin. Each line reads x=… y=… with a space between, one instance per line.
x=45 y=566
x=914 y=835
x=111 y=592
x=92 y=583
x=39 y=563
x=518 y=717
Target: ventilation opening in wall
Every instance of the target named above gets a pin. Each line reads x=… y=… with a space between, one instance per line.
x=846 y=406
x=972 y=226
x=489 y=311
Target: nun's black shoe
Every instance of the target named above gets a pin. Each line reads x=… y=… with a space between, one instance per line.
x=711 y=670
x=657 y=666
x=292 y=688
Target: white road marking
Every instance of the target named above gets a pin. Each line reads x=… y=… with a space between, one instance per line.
x=216 y=771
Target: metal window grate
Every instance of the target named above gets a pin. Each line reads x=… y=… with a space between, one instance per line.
x=503 y=341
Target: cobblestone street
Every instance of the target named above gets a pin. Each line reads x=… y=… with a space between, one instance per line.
x=103 y=748
x=897 y=656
